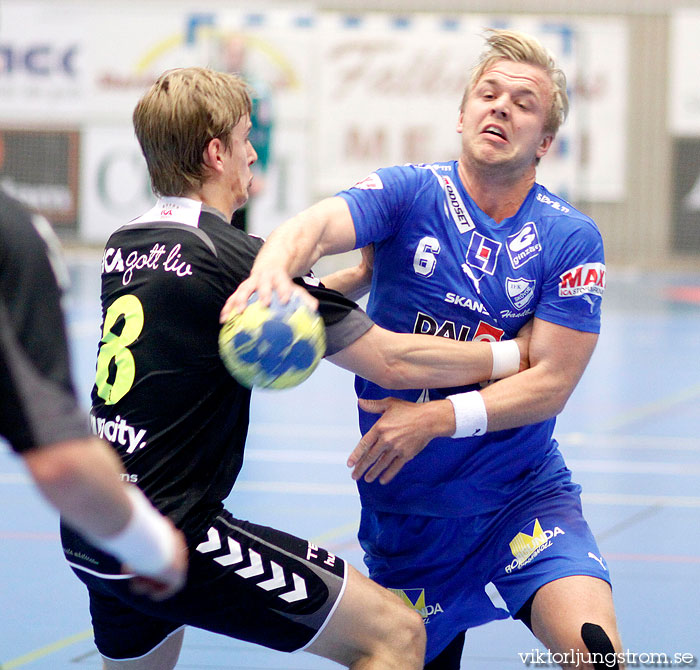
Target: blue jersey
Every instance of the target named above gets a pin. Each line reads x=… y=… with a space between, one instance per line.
x=444 y=268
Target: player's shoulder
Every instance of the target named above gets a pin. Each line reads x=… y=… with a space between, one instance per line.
x=413 y=173
x=27 y=240
x=14 y=217
x=558 y=214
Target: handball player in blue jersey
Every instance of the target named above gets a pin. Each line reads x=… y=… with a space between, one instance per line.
x=469 y=512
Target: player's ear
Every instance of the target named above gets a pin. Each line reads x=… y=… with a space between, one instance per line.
x=460 y=121
x=544 y=145
x=211 y=156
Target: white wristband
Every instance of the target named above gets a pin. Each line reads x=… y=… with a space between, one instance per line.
x=147 y=543
x=470 y=414
x=506 y=359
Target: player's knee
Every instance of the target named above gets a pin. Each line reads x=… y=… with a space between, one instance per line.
x=406 y=635
x=601 y=651
x=411 y=637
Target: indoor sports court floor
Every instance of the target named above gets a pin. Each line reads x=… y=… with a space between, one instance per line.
x=630 y=433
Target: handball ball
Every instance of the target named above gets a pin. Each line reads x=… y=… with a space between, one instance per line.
x=272 y=347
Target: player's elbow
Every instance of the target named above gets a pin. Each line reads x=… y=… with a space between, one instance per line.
x=395 y=374
x=554 y=399
x=385 y=374
x=48 y=468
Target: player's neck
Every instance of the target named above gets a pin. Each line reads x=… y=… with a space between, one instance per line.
x=497 y=193
x=214 y=196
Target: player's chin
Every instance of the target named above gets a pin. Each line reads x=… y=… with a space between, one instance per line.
x=242 y=198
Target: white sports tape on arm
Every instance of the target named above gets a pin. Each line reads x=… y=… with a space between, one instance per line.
x=147 y=543
x=506 y=359
x=470 y=414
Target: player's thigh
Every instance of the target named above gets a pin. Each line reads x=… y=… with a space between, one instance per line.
x=370 y=621
x=538 y=543
x=162 y=657
x=562 y=607
x=259 y=584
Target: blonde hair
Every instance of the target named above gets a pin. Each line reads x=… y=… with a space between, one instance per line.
x=521 y=48
x=178 y=116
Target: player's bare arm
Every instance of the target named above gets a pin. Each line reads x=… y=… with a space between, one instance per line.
x=558 y=357
x=290 y=251
x=81 y=478
x=407 y=361
x=353 y=282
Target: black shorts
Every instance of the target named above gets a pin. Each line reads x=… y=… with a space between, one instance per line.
x=245 y=581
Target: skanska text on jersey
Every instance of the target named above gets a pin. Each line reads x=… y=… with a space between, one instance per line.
x=113 y=261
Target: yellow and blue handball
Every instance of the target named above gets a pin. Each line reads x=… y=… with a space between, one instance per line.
x=272 y=347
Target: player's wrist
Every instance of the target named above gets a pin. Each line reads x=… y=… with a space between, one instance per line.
x=470 y=415
x=506 y=359
x=147 y=543
x=438 y=418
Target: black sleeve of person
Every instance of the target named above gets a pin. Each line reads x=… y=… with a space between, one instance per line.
x=345 y=321
x=38 y=404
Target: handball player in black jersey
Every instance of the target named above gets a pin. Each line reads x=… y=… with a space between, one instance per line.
x=178 y=420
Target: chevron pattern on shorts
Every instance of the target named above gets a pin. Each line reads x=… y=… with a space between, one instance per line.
x=235 y=554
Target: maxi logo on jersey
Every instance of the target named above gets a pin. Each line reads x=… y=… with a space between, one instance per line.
x=427 y=325
x=415 y=599
x=586 y=278
x=524 y=245
x=529 y=543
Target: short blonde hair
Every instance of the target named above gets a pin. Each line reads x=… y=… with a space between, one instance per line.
x=178 y=116
x=514 y=46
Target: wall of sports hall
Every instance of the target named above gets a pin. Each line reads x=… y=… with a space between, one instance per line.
x=354 y=85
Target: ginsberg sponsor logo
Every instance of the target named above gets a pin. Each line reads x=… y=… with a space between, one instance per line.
x=524 y=245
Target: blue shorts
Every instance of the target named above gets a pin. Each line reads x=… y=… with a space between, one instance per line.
x=464 y=572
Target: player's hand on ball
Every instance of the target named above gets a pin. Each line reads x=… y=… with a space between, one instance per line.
x=272 y=346
x=265 y=284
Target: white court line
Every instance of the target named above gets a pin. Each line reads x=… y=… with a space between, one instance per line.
x=624 y=499
x=312 y=456
x=633 y=467
x=582 y=440
x=14 y=478
x=304 y=488
x=600 y=441
x=304 y=431
x=349 y=489
x=319 y=456
x=634 y=500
